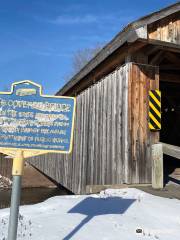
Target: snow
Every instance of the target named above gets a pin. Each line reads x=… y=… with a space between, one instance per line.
x=110 y=215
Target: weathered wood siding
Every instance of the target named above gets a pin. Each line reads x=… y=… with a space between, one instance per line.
x=5 y=166
x=167 y=29
x=142 y=78
x=112 y=142
x=100 y=138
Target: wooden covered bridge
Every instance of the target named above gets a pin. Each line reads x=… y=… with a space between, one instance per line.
x=112 y=136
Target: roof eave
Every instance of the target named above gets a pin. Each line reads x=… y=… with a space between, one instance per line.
x=134 y=31
x=129 y=37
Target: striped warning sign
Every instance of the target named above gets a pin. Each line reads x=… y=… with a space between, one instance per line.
x=155 y=110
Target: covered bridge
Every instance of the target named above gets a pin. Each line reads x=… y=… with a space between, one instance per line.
x=112 y=135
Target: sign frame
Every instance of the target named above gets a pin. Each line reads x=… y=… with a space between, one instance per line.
x=34 y=152
x=19 y=154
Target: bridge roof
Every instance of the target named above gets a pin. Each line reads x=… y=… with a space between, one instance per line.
x=133 y=32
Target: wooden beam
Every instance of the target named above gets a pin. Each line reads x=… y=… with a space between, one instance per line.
x=107 y=66
x=157 y=166
x=169 y=67
x=172 y=58
x=167 y=77
x=150 y=49
x=166 y=46
x=136 y=57
x=157 y=58
x=107 y=54
x=171 y=150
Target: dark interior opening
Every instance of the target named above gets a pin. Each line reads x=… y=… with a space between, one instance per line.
x=170 y=131
x=170 y=100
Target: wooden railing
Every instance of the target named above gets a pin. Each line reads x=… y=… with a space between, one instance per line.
x=157 y=161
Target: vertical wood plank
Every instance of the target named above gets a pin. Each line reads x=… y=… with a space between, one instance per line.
x=111 y=137
x=157 y=166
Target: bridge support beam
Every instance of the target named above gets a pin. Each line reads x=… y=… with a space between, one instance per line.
x=157 y=166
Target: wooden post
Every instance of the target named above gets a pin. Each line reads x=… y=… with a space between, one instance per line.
x=157 y=166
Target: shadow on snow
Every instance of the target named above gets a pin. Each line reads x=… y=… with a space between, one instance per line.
x=91 y=207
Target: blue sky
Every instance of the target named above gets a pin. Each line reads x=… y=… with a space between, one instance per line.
x=39 y=37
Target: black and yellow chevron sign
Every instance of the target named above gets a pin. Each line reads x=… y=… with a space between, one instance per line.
x=154 y=110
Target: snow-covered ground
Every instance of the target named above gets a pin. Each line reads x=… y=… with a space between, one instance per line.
x=113 y=214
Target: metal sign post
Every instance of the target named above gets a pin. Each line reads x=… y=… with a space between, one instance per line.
x=32 y=124
x=17 y=171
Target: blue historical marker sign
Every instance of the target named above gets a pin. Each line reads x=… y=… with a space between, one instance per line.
x=32 y=121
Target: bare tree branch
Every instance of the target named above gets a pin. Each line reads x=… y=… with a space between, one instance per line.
x=81 y=58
